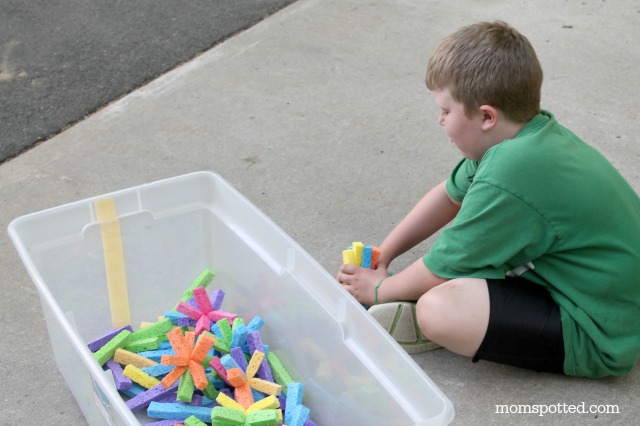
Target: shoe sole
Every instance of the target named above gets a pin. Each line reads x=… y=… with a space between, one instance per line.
x=399 y=320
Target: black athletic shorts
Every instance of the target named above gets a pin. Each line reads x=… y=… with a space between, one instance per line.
x=524 y=327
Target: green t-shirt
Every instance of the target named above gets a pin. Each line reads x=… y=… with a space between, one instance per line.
x=548 y=198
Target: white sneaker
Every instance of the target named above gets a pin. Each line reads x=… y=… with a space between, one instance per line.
x=399 y=319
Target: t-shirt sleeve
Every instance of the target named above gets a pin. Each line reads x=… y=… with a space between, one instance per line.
x=494 y=232
x=460 y=179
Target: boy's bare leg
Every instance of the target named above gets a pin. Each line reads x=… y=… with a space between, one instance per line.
x=455 y=314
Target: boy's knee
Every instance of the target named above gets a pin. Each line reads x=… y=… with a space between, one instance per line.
x=438 y=310
x=432 y=311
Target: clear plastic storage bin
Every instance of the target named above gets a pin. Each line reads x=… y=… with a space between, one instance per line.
x=171 y=230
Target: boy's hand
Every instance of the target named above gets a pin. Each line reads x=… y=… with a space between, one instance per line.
x=361 y=282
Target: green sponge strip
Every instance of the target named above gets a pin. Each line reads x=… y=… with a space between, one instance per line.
x=225 y=415
x=210 y=391
x=280 y=375
x=225 y=329
x=194 y=421
x=186 y=387
x=106 y=352
x=203 y=280
x=159 y=329
x=142 y=345
x=262 y=417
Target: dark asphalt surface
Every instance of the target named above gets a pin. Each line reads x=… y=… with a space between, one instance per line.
x=62 y=60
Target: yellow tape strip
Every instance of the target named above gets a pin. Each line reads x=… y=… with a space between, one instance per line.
x=114 y=262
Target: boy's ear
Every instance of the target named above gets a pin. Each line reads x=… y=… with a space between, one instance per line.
x=490 y=117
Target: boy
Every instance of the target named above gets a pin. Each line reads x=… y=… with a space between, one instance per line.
x=540 y=267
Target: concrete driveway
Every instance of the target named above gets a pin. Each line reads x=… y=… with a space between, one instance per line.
x=319 y=115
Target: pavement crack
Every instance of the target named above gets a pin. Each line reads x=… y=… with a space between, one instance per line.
x=6 y=70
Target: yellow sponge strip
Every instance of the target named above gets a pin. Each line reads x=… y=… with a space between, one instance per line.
x=113 y=261
x=140 y=377
x=125 y=357
x=265 y=386
x=358 y=247
x=270 y=402
x=348 y=257
x=254 y=364
x=227 y=402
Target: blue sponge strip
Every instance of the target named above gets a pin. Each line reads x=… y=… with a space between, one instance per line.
x=168 y=410
x=158 y=369
x=367 y=254
x=299 y=416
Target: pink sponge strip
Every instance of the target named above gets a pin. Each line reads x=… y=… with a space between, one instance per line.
x=143 y=399
x=103 y=340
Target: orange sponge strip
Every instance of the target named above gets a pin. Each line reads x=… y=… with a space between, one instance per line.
x=375 y=255
x=205 y=342
x=172 y=377
x=199 y=376
x=243 y=396
x=235 y=376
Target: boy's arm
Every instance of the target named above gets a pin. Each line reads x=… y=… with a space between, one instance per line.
x=432 y=212
x=409 y=284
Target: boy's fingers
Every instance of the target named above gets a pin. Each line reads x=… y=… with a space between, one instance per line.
x=343 y=278
x=345 y=273
x=349 y=269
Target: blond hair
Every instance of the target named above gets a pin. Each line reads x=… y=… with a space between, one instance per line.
x=488 y=63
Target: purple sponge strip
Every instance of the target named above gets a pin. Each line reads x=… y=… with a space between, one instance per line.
x=169 y=397
x=103 y=340
x=186 y=322
x=162 y=423
x=196 y=400
x=143 y=399
x=255 y=344
x=238 y=355
x=216 y=298
x=122 y=381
